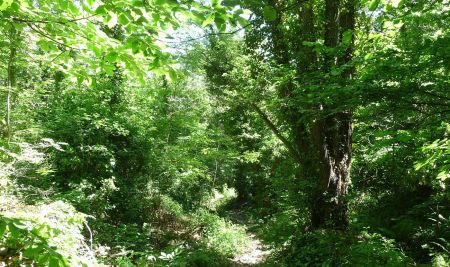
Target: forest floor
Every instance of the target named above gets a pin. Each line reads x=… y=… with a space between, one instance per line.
x=257 y=252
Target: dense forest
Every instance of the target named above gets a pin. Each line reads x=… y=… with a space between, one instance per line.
x=224 y=133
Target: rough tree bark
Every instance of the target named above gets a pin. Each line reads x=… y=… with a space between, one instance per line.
x=323 y=142
x=333 y=133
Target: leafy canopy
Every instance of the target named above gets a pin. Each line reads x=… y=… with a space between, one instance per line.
x=88 y=37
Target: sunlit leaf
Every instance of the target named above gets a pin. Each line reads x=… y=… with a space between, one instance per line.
x=270 y=14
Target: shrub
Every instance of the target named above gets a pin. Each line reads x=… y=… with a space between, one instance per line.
x=224 y=237
x=45 y=235
x=333 y=248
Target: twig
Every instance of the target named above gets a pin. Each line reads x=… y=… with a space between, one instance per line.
x=60 y=54
x=49 y=21
x=49 y=37
x=204 y=36
x=91 y=236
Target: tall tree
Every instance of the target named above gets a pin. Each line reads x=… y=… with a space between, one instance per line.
x=313 y=100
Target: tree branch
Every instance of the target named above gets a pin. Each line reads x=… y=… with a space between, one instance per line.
x=49 y=21
x=37 y=30
x=205 y=36
x=294 y=153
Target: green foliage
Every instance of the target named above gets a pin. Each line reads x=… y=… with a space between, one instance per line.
x=270 y=14
x=22 y=243
x=69 y=34
x=437 y=158
x=99 y=118
x=325 y=248
x=220 y=235
x=51 y=236
x=47 y=233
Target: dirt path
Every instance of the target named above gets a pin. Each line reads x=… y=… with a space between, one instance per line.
x=257 y=253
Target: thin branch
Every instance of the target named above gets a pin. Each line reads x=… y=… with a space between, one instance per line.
x=294 y=153
x=60 y=54
x=35 y=29
x=205 y=36
x=49 y=21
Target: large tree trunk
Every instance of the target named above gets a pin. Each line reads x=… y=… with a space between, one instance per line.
x=333 y=138
x=333 y=133
x=323 y=143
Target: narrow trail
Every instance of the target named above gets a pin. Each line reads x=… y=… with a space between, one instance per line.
x=257 y=252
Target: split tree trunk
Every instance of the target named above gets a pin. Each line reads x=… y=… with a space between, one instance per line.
x=333 y=133
x=324 y=142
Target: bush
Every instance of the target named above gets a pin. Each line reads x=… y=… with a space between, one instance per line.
x=224 y=237
x=333 y=248
x=48 y=235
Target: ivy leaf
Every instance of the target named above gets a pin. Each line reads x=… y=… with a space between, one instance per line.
x=269 y=13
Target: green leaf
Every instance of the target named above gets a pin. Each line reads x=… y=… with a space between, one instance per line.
x=94 y=48
x=2 y=228
x=123 y=19
x=216 y=3
x=73 y=8
x=112 y=56
x=335 y=72
x=4 y=4
x=231 y=3
x=373 y=5
x=197 y=17
x=209 y=19
x=109 y=69
x=15 y=232
x=19 y=224
x=113 y=20
x=269 y=13
x=173 y=74
x=101 y=10
x=443 y=175
x=220 y=23
x=347 y=37
x=242 y=22
x=43 y=258
x=54 y=262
